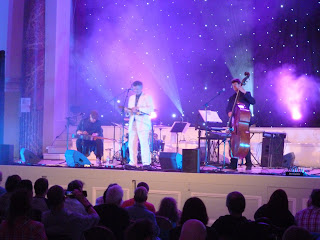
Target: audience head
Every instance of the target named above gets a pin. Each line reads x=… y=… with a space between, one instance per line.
x=143 y=184
x=105 y=192
x=20 y=205
x=279 y=200
x=315 y=197
x=296 y=233
x=168 y=208
x=236 y=203
x=12 y=182
x=75 y=184
x=141 y=229
x=25 y=184
x=194 y=208
x=140 y=195
x=114 y=195
x=193 y=229
x=56 y=197
x=41 y=186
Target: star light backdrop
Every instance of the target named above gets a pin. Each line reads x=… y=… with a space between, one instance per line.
x=186 y=51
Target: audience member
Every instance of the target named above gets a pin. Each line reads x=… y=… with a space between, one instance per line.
x=2 y=190
x=101 y=200
x=59 y=222
x=39 y=201
x=111 y=214
x=193 y=208
x=71 y=203
x=25 y=184
x=148 y=205
x=193 y=229
x=10 y=186
x=139 y=210
x=232 y=226
x=18 y=225
x=296 y=233
x=276 y=211
x=309 y=218
x=141 y=229
x=168 y=208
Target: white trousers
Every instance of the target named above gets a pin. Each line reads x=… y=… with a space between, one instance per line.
x=143 y=137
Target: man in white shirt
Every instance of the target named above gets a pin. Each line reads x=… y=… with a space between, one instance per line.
x=140 y=106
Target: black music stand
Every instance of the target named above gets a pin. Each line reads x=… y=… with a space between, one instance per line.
x=179 y=127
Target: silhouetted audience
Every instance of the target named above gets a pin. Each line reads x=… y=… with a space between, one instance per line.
x=139 y=210
x=148 y=205
x=71 y=203
x=10 y=186
x=18 y=224
x=2 y=190
x=168 y=208
x=193 y=229
x=232 y=226
x=276 y=211
x=101 y=199
x=39 y=201
x=111 y=214
x=309 y=218
x=193 y=208
x=296 y=233
x=141 y=229
x=59 y=222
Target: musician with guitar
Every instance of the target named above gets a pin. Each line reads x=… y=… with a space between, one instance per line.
x=90 y=128
x=240 y=138
x=140 y=105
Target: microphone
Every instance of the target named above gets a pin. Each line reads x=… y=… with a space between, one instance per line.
x=222 y=90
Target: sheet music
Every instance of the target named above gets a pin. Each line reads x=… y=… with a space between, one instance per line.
x=212 y=116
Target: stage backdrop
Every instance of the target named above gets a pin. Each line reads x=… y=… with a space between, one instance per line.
x=185 y=52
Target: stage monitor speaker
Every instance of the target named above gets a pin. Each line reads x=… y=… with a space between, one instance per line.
x=28 y=157
x=272 y=151
x=170 y=161
x=288 y=160
x=191 y=160
x=76 y=159
x=6 y=154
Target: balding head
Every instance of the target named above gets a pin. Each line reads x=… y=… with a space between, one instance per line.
x=193 y=229
x=114 y=195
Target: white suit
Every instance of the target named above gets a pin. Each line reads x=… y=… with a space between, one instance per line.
x=140 y=127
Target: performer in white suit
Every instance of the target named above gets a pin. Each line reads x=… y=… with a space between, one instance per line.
x=140 y=106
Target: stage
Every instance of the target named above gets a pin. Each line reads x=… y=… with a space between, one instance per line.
x=211 y=185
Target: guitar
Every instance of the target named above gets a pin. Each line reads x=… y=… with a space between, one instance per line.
x=90 y=137
x=132 y=113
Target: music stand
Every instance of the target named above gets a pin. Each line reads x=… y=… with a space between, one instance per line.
x=179 y=127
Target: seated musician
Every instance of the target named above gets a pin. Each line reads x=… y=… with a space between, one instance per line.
x=87 y=127
x=246 y=99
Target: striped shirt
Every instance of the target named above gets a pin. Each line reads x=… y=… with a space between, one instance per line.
x=309 y=219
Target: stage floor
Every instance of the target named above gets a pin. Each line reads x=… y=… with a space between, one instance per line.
x=211 y=185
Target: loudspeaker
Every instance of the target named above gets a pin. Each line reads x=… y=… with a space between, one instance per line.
x=272 y=151
x=170 y=161
x=28 y=157
x=191 y=160
x=288 y=160
x=6 y=154
x=76 y=159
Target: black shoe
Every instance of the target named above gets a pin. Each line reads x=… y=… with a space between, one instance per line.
x=248 y=168
x=129 y=167
x=146 y=167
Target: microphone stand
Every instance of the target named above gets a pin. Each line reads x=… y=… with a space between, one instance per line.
x=206 y=105
x=123 y=115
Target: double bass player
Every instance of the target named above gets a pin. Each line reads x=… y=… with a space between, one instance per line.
x=245 y=99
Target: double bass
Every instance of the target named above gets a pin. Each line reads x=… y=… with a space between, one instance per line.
x=239 y=126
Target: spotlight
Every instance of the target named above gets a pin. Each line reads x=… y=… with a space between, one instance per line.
x=174 y=115
x=118 y=101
